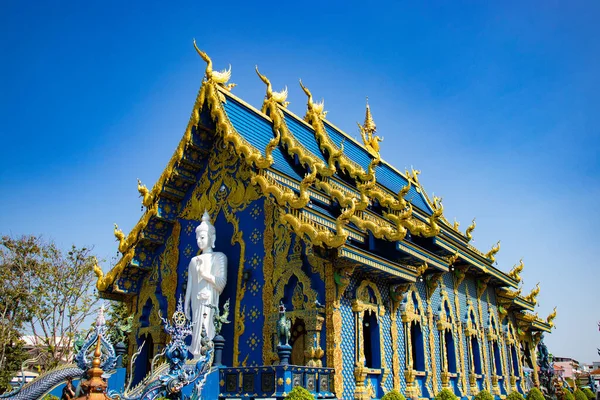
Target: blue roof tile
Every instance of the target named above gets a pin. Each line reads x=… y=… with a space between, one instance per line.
x=258 y=131
x=305 y=136
x=392 y=180
x=351 y=149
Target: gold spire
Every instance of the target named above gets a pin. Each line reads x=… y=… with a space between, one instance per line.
x=369 y=125
x=367 y=132
x=94 y=388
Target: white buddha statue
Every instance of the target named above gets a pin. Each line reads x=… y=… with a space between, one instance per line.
x=207 y=276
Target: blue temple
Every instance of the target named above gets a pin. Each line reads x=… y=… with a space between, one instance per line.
x=381 y=290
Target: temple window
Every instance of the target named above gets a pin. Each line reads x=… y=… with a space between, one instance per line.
x=368 y=309
x=515 y=360
x=476 y=355
x=416 y=341
x=445 y=327
x=497 y=357
x=473 y=349
x=413 y=331
x=371 y=340
x=450 y=351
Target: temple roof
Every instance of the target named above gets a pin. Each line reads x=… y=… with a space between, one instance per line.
x=338 y=185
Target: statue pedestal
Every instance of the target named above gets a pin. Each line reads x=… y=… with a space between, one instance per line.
x=219 y=342
x=120 y=351
x=284 y=352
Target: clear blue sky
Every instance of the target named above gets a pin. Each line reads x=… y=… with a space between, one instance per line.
x=498 y=105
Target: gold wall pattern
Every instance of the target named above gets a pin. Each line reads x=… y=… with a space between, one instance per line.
x=395 y=345
x=280 y=242
x=432 y=378
x=268 y=266
x=333 y=326
x=485 y=347
x=461 y=344
x=169 y=261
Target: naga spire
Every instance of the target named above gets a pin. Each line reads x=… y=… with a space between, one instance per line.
x=367 y=132
x=490 y=255
x=219 y=77
x=470 y=229
x=533 y=294
x=516 y=270
x=551 y=317
x=278 y=97
x=317 y=109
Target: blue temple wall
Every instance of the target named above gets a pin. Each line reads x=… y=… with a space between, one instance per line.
x=348 y=344
x=467 y=290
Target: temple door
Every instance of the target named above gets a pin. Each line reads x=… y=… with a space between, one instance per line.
x=298 y=342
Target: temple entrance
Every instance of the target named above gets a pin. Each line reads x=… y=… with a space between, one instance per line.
x=298 y=342
x=144 y=363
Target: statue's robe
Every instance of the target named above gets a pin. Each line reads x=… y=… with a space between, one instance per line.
x=195 y=286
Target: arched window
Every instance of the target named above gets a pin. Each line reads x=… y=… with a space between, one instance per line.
x=368 y=309
x=446 y=327
x=471 y=332
x=493 y=337
x=371 y=340
x=497 y=357
x=476 y=355
x=416 y=341
x=515 y=359
x=450 y=351
x=449 y=339
x=412 y=312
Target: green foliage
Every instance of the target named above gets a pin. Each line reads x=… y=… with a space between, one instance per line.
x=484 y=395
x=580 y=395
x=299 y=393
x=567 y=395
x=588 y=392
x=515 y=396
x=446 y=394
x=535 y=394
x=393 y=395
x=50 y=397
x=14 y=355
x=119 y=322
x=46 y=290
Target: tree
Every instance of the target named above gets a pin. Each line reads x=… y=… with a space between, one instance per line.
x=52 y=295
x=19 y=259
x=14 y=356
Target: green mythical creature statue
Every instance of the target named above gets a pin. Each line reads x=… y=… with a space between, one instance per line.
x=220 y=319
x=123 y=329
x=284 y=327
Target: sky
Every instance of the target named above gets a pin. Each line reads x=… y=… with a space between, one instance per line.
x=497 y=103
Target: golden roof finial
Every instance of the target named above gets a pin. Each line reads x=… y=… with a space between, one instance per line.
x=516 y=270
x=490 y=255
x=531 y=297
x=551 y=317
x=219 y=77
x=470 y=229
x=367 y=132
x=369 y=125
